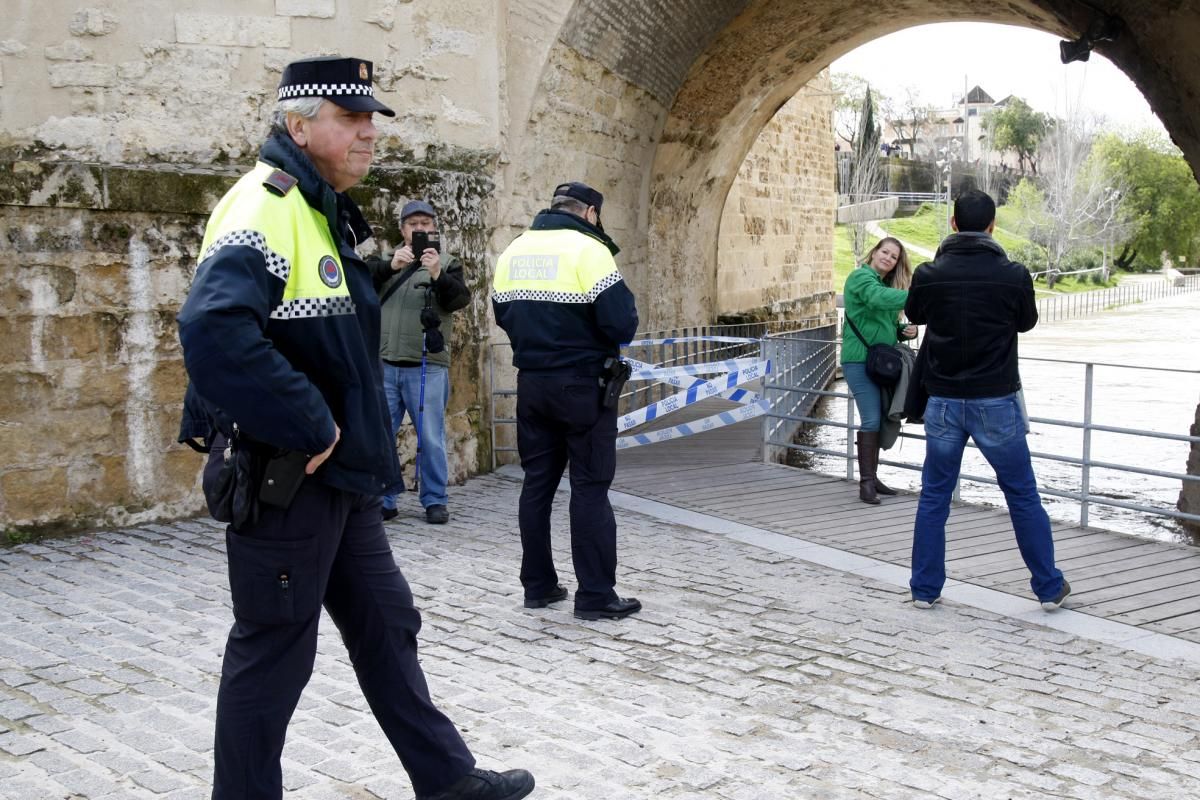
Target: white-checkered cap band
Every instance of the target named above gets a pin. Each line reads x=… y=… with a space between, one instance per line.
x=324 y=90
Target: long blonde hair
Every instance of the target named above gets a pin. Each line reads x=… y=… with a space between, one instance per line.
x=901 y=275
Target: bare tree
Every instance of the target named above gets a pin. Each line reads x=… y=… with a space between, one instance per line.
x=1083 y=201
x=847 y=106
x=908 y=117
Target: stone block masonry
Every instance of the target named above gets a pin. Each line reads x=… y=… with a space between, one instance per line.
x=231 y=31
x=775 y=250
x=91 y=377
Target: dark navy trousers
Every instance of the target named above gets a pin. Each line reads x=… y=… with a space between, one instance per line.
x=328 y=548
x=560 y=419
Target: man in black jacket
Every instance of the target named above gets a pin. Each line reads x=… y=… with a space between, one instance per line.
x=280 y=336
x=973 y=302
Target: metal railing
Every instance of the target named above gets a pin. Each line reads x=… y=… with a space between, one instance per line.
x=916 y=197
x=691 y=349
x=783 y=421
x=1066 y=306
x=803 y=363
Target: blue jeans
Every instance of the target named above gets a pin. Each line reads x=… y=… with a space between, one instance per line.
x=402 y=385
x=866 y=395
x=997 y=425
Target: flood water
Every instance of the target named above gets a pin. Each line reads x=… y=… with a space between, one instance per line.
x=1156 y=334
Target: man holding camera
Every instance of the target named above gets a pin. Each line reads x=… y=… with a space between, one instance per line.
x=559 y=297
x=418 y=292
x=280 y=339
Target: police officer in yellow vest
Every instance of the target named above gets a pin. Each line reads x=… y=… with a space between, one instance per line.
x=280 y=336
x=559 y=296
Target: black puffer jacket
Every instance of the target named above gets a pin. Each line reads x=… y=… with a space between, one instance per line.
x=973 y=302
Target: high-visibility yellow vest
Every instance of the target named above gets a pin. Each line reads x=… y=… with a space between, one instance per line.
x=294 y=239
x=557 y=266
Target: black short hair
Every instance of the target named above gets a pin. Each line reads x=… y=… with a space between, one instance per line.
x=974 y=211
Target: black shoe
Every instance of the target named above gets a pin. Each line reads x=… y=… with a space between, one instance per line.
x=390 y=513
x=617 y=609
x=881 y=488
x=437 y=515
x=483 y=784
x=557 y=596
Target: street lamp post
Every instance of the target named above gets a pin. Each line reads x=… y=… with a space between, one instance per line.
x=946 y=162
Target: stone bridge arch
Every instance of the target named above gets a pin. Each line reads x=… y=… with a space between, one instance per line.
x=660 y=101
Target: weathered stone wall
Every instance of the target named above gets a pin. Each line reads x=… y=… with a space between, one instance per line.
x=775 y=252
x=102 y=254
x=91 y=376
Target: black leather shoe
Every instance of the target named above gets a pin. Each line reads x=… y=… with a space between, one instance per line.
x=617 y=609
x=483 y=784
x=557 y=596
x=390 y=513
x=437 y=515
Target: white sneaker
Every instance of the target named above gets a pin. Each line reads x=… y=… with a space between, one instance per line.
x=927 y=603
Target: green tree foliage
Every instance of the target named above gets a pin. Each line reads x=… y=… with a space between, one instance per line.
x=1161 y=194
x=1019 y=128
x=864 y=176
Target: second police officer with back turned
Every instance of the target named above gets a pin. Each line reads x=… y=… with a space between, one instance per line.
x=559 y=296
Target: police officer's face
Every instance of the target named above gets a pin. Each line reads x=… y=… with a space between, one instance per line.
x=340 y=143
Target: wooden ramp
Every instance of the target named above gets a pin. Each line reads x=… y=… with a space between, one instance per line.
x=1114 y=576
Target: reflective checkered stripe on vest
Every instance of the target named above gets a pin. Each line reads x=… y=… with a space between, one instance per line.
x=294 y=240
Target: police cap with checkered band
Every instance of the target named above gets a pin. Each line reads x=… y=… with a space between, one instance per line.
x=343 y=81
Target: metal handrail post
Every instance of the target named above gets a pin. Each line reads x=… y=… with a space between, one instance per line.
x=766 y=433
x=850 y=437
x=492 y=400
x=1085 y=472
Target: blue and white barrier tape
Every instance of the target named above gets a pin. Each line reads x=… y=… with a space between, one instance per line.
x=694 y=394
x=682 y=339
x=643 y=371
x=718 y=420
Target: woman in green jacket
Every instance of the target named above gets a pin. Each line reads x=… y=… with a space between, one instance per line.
x=874 y=298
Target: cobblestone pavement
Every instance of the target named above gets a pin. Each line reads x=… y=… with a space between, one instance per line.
x=748 y=675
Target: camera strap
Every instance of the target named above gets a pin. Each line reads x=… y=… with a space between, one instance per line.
x=398 y=282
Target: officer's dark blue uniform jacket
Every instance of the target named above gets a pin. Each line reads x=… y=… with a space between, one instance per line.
x=558 y=295
x=280 y=330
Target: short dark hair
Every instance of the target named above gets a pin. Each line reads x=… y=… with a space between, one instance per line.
x=974 y=211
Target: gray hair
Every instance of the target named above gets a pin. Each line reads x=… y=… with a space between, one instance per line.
x=562 y=202
x=306 y=107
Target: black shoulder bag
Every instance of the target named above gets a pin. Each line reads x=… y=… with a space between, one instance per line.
x=883 y=362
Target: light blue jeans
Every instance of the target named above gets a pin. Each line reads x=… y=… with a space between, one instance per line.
x=997 y=424
x=402 y=385
x=866 y=396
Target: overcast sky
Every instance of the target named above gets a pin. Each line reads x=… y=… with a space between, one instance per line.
x=1002 y=59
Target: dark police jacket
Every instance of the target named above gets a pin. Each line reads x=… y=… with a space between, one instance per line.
x=280 y=330
x=558 y=295
x=973 y=302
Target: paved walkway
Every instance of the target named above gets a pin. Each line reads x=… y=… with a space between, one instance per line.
x=751 y=674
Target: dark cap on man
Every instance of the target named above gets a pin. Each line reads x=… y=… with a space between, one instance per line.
x=417 y=207
x=581 y=192
x=346 y=82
